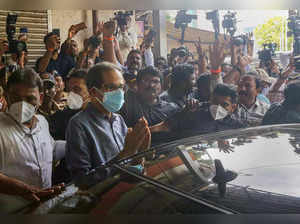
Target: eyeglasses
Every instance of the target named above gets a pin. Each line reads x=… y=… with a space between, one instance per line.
x=152 y=82
x=112 y=87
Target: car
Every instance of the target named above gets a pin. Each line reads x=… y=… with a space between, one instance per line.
x=252 y=170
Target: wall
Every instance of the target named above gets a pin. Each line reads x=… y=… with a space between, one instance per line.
x=63 y=19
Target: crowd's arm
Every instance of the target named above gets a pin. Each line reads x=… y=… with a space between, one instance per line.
x=107 y=103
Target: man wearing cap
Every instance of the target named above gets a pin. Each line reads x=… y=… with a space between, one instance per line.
x=265 y=81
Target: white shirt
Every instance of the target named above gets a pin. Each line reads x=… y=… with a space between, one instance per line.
x=127 y=42
x=25 y=154
x=254 y=115
x=149 y=58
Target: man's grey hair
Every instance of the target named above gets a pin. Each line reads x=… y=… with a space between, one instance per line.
x=95 y=74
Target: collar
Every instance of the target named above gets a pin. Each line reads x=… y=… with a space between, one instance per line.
x=24 y=128
x=256 y=104
x=158 y=103
x=92 y=110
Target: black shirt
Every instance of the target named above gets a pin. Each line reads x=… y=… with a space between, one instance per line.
x=280 y=114
x=58 y=123
x=180 y=101
x=134 y=108
x=201 y=122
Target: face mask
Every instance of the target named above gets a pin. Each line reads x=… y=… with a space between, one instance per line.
x=112 y=101
x=22 y=111
x=74 y=101
x=217 y=112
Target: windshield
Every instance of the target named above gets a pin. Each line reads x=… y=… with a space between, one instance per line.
x=259 y=160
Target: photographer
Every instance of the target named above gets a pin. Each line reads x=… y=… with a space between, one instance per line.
x=49 y=62
x=3 y=50
x=126 y=35
x=62 y=61
x=69 y=50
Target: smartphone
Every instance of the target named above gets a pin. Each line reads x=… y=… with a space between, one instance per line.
x=56 y=31
x=23 y=30
x=80 y=26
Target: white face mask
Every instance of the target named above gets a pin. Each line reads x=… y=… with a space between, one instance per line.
x=22 y=111
x=217 y=112
x=74 y=101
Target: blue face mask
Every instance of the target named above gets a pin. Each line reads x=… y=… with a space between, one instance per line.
x=112 y=101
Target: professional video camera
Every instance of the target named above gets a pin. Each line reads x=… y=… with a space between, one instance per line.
x=120 y=17
x=15 y=46
x=182 y=20
x=294 y=26
x=240 y=40
x=214 y=17
x=267 y=53
x=229 y=23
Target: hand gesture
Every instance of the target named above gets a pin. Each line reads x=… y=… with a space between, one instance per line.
x=290 y=69
x=216 y=55
x=192 y=105
x=99 y=29
x=72 y=32
x=137 y=138
x=243 y=61
x=109 y=28
x=200 y=51
x=74 y=29
x=224 y=146
x=274 y=67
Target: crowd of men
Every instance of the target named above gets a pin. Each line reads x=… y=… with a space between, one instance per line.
x=91 y=108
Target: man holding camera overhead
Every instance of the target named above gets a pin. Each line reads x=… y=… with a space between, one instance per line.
x=66 y=59
x=126 y=34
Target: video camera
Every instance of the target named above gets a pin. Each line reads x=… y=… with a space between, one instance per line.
x=267 y=53
x=15 y=46
x=294 y=26
x=240 y=40
x=182 y=52
x=214 y=17
x=120 y=17
x=183 y=19
x=229 y=22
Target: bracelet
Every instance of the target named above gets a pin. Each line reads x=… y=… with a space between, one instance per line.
x=216 y=71
x=108 y=38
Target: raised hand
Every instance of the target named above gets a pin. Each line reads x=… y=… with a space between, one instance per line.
x=200 y=51
x=74 y=29
x=289 y=70
x=243 y=61
x=216 y=55
x=109 y=28
x=99 y=28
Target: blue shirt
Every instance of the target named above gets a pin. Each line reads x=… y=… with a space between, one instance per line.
x=93 y=140
x=263 y=98
x=66 y=63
